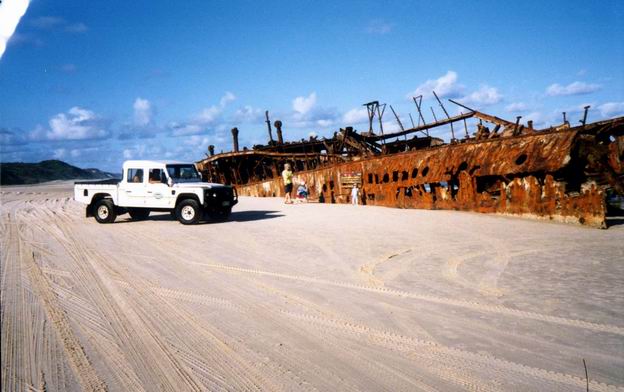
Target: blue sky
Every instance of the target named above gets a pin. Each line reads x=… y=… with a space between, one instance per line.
x=94 y=85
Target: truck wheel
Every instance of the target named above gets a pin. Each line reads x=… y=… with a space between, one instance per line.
x=139 y=213
x=188 y=212
x=104 y=211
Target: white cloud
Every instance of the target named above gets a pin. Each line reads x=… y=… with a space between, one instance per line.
x=484 y=96
x=516 y=107
x=303 y=105
x=10 y=14
x=307 y=114
x=25 y=39
x=142 y=112
x=207 y=117
x=355 y=116
x=143 y=125
x=611 y=109
x=59 y=153
x=571 y=110
x=226 y=98
x=47 y=22
x=8 y=137
x=316 y=117
x=324 y=123
x=198 y=144
x=380 y=27
x=542 y=120
x=248 y=114
x=536 y=117
x=445 y=86
x=575 y=88
x=52 y=22
x=77 y=124
x=143 y=151
x=186 y=129
x=76 y=28
x=209 y=114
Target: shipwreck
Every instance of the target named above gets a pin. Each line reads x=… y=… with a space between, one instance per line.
x=565 y=173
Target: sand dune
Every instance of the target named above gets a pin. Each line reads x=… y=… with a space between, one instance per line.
x=305 y=297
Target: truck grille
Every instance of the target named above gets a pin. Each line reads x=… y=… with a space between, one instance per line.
x=219 y=194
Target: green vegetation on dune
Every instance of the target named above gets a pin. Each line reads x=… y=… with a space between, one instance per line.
x=15 y=173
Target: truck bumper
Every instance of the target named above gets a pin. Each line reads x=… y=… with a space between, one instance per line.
x=220 y=199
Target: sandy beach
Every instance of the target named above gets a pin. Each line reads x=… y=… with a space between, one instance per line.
x=305 y=297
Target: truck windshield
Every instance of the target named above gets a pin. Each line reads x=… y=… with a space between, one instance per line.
x=183 y=173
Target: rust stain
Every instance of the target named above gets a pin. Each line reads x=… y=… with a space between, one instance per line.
x=560 y=174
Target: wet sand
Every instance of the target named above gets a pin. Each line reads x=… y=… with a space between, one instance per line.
x=305 y=297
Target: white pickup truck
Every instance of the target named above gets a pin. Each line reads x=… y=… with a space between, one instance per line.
x=156 y=186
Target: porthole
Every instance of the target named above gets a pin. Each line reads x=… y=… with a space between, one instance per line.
x=521 y=159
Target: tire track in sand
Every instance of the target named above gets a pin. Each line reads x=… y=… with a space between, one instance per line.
x=497 y=309
x=141 y=353
x=173 y=329
x=423 y=348
x=80 y=364
x=464 y=363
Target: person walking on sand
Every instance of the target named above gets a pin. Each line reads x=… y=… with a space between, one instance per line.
x=287 y=175
x=355 y=195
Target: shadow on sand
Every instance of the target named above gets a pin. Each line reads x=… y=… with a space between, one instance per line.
x=615 y=221
x=237 y=216
x=247 y=216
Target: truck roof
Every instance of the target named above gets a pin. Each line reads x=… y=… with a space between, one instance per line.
x=143 y=163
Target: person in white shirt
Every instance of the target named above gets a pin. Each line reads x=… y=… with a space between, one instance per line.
x=355 y=195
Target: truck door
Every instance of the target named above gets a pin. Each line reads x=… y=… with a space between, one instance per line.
x=158 y=193
x=132 y=189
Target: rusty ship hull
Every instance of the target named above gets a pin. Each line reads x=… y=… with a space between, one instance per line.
x=562 y=174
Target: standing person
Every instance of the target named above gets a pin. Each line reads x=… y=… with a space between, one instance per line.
x=287 y=175
x=355 y=195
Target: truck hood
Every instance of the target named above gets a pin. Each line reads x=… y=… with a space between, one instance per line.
x=207 y=185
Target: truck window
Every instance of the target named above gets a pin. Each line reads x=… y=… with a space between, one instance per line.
x=135 y=175
x=156 y=176
x=183 y=173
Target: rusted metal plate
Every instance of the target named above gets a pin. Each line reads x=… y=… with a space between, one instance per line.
x=560 y=174
x=450 y=177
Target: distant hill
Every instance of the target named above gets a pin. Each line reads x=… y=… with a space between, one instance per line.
x=15 y=173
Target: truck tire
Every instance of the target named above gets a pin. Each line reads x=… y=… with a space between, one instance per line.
x=138 y=213
x=104 y=211
x=188 y=212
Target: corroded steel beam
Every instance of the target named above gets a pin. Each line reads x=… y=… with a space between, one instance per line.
x=424 y=127
x=239 y=154
x=485 y=116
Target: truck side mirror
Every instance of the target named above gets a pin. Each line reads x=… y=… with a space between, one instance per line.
x=169 y=182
